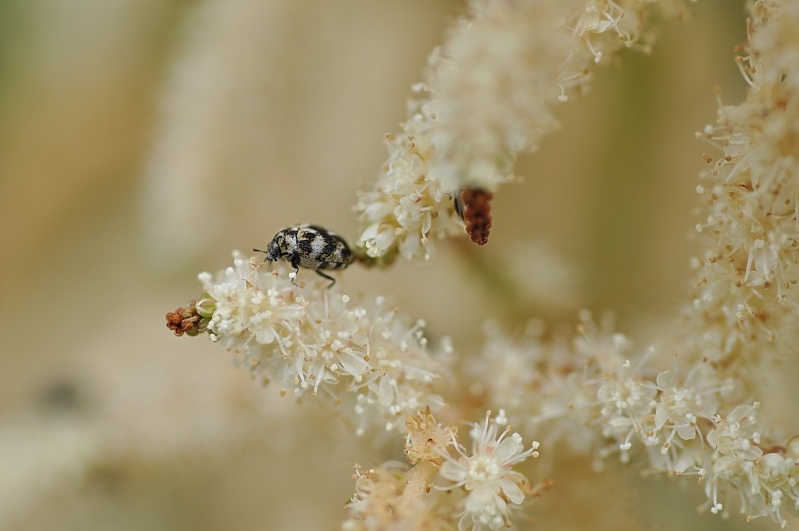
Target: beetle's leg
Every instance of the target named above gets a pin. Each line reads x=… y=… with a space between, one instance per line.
x=333 y=280
x=295 y=263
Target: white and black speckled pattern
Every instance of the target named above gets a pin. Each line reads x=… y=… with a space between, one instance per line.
x=310 y=247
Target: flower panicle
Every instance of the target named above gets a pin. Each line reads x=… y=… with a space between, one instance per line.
x=405 y=208
x=745 y=301
x=489 y=95
x=685 y=421
x=360 y=353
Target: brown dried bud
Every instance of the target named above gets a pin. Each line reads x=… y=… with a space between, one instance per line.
x=187 y=320
x=426 y=439
x=473 y=205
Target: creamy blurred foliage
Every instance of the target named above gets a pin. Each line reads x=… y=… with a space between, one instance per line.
x=142 y=140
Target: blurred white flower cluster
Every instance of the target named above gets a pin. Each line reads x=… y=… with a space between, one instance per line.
x=489 y=95
x=745 y=307
x=686 y=421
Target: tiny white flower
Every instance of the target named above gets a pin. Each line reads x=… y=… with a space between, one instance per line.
x=486 y=475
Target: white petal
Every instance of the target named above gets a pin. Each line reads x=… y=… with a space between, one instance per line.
x=512 y=491
x=385 y=393
x=264 y=336
x=369 y=233
x=377 y=210
x=686 y=433
x=453 y=472
x=352 y=364
x=507 y=449
x=666 y=380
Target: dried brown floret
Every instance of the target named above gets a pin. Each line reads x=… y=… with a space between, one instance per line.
x=187 y=320
x=473 y=205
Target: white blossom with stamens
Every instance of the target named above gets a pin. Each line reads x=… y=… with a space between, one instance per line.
x=493 y=488
x=316 y=340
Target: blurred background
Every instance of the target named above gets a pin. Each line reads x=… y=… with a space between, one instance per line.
x=141 y=141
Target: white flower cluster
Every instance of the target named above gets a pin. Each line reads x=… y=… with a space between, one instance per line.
x=316 y=340
x=492 y=487
x=489 y=95
x=595 y=402
x=767 y=482
x=406 y=205
x=746 y=305
x=626 y=407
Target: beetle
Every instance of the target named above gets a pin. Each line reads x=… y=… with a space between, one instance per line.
x=311 y=247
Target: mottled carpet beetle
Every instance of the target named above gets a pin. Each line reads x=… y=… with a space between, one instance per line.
x=311 y=247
